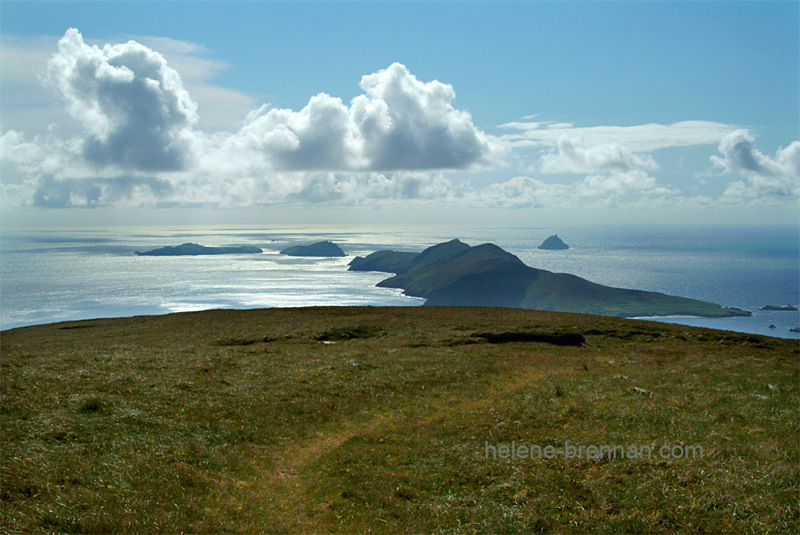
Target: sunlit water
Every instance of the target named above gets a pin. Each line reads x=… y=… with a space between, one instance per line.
x=64 y=274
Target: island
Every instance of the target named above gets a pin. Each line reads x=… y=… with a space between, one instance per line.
x=388 y=261
x=781 y=308
x=456 y=274
x=321 y=248
x=193 y=249
x=553 y=243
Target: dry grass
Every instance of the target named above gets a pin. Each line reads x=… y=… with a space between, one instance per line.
x=376 y=419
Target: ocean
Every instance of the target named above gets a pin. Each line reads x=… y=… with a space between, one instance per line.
x=71 y=274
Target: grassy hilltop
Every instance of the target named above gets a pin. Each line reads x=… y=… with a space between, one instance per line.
x=378 y=419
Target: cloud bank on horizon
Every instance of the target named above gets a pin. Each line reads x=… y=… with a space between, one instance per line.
x=401 y=139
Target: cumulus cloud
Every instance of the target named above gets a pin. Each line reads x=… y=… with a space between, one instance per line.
x=51 y=192
x=571 y=155
x=50 y=173
x=359 y=188
x=321 y=136
x=778 y=176
x=525 y=192
x=408 y=124
x=399 y=123
x=219 y=108
x=132 y=104
x=139 y=117
x=144 y=143
x=600 y=189
x=142 y=140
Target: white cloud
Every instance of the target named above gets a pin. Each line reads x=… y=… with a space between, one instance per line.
x=141 y=140
x=524 y=192
x=145 y=143
x=571 y=155
x=399 y=123
x=601 y=190
x=637 y=138
x=133 y=105
x=219 y=108
x=408 y=124
x=779 y=176
x=321 y=136
x=140 y=117
x=95 y=191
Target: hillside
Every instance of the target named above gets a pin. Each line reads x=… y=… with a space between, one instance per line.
x=388 y=261
x=357 y=419
x=455 y=274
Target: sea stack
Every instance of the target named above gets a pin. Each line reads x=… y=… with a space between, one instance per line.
x=553 y=243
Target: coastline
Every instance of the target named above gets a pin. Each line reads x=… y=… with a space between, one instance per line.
x=63 y=274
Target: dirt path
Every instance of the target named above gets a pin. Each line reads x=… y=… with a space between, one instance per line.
x=288 y=475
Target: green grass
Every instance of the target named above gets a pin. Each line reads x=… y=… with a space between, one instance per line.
x=376 y=419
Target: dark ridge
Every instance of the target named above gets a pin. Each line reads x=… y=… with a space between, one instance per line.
x=349 y=333
x=625 y=335
x=66 y=327
x=388 y=261
x=228 y=342
x=560 y=339
x=193 y=249
x=438 y=253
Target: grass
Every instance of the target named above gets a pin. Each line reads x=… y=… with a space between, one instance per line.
x=378 y=419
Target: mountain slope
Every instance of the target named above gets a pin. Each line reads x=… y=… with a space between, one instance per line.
x=388 y=261
x=454 y=274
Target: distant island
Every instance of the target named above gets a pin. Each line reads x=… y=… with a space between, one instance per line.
x=553 y=243
x=321 y=248
x=782 y=308
x=388 y=261
x=455 y=274
x=193 y=249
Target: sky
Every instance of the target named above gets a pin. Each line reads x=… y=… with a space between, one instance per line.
x=498 y=114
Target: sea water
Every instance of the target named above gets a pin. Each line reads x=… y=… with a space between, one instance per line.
x=70 y=274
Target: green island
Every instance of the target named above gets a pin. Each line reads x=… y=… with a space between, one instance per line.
x=193 y=249
x=780 y=308
x=384 y=420
x=455 y=274
x=321 y=248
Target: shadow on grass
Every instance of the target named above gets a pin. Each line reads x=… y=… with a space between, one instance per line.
x=349 y=333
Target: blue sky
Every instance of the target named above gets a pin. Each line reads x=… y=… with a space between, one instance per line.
x=620 y=112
